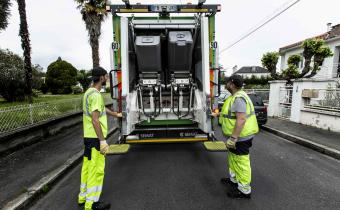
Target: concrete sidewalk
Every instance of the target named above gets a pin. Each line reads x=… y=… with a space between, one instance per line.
x=315 y=138
x=24 y=168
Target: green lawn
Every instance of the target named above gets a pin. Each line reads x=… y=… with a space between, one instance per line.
x=45 y=98
x=52 y=106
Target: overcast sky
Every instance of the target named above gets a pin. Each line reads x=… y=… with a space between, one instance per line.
x=56 y=29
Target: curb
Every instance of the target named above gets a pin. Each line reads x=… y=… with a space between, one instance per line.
x=305 y=142
x=42 y=186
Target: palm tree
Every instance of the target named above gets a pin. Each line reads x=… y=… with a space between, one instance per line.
x=4 y=13
x=93 y=13
x=25 y=44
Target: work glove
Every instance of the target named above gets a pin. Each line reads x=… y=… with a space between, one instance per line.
x=216 y=113
x=104 y=147
x=231 y=143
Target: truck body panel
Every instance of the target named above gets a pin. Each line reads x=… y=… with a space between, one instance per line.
x=170 y=99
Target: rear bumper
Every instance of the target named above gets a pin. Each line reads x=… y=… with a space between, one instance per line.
x=262 y=121
x=167 y=140
x=169 y=134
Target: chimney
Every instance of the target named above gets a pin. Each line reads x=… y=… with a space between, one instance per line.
x=335 y=31
x=235 y=69
x=329 y=27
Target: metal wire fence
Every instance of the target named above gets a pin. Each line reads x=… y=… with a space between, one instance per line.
x=325 y=100
x=16 y=117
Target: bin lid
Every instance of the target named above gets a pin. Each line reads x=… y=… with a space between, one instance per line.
x=175 y=36
x=147 y=40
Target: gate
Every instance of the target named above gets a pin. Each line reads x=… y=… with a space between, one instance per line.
x=286 y=94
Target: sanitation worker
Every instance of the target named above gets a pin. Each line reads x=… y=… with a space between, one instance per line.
x=95 y=133
x=239 y=126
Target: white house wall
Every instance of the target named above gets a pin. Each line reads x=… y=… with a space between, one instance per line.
x=323 y=121
x=274 y=109
x=333 y=61
x=297 y=101
x=300 y=114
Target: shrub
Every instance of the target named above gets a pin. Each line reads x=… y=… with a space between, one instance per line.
x=76 y=90
x=37 y=74
x=269 y=61
x=294 y=60
x=257 y=82
x=35 y=92
x=60 y=77
x=44 y=88
x=12 y=76
x=291 y=72
x=107 y=89
x=83 y=77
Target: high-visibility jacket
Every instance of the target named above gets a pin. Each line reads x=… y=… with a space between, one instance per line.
x=228 y=118
x=93 y=101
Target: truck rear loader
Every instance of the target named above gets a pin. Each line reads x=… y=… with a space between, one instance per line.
x=164 y=71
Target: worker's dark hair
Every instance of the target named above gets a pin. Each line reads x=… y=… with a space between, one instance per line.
x=237 y=80
x=97 y=72
x=95 y=79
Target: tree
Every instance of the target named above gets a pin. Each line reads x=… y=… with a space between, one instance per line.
x=4 y=13
x=84 y=79
x=12 y=76
x=44 y=88
x=314 y=52
x=60 y=77
x=292 y=71
x=37 y=74
x=25 y=44
x=93 y=13
x=269 y=61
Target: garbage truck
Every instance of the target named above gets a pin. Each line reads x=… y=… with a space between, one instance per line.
x=164 y=74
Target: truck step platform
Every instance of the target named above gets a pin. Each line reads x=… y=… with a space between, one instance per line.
x=215 y=146
x=118 y=149
x=167 y=140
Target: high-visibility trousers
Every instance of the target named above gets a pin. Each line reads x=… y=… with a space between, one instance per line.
x=240 y=171
x=92 y=177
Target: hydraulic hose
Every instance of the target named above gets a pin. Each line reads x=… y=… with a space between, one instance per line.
x=143 y=110
x=190 y=102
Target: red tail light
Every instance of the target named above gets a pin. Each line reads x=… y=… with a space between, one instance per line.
x=264 y=109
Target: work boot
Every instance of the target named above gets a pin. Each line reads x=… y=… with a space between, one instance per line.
x=100 y=206
x=236 y=193
x=228 y=182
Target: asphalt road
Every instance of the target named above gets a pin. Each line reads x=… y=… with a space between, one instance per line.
x=22 y=168
x=186 y=176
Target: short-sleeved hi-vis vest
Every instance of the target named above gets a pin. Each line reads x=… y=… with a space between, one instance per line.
x=93 y=101
x=228 y=118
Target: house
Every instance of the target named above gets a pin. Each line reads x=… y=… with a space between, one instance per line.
x=249 y=71
x=331 y=66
